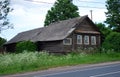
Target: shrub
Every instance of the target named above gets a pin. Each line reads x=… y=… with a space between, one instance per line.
x=112 y=42
x=2 y=41
x=33 y=61
x=25 y=45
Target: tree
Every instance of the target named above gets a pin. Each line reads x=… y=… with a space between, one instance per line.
x=113 y=14
x=112 y=42
x=4 y=10
x=2 y=41
x=62 y=10
x=104 y=30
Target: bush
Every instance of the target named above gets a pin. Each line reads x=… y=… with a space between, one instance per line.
x=25 y=45
x=33 y=61
x=112 y=42
x=2 y=41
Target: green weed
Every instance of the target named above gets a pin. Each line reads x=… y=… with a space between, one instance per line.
x=32 y=61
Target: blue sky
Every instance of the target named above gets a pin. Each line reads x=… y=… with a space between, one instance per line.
x=30 y=15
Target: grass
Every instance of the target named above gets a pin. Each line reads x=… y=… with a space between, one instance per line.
x=32 y=61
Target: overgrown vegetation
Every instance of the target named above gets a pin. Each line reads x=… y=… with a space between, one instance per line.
x=2 y=41
x=112 y=42
x=25 y=45
x=110 y=38
x=31 y=61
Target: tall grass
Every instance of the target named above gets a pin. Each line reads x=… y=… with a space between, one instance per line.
x=31 y=61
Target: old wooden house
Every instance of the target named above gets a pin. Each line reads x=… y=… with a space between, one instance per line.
x=62 y=36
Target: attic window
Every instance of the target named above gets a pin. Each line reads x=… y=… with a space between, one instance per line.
x=67 y=41
x=93 y=40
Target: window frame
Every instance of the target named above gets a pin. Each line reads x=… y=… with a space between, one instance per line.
x=70 y=43
x=93 y=42
x=79 y=37
x=88 y=40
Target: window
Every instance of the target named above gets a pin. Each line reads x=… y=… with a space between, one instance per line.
x=67 y=41
x=86 y=40
x=93 y=40
x=79 y=39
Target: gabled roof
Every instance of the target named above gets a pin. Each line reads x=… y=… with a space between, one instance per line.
x=55 y=31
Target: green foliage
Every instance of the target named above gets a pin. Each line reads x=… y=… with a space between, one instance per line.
x=4 y=10
x=62 y=10
x=113 y=14
x=104 y=30
x=2 y=41
x=112 y=42
x=30 y=61
x=25 y=45
x=111 y=39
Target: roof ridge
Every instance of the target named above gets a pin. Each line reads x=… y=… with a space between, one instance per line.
x=63 y=21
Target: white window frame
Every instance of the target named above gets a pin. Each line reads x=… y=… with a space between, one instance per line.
x=86 y=40
x=70 y=43
x=93 y=40
x=79 y=39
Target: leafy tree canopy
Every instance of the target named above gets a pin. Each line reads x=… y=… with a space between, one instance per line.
x=112 y=42
x=4 y=10
x=62 y=10
x=113 y=14
x=104 y=30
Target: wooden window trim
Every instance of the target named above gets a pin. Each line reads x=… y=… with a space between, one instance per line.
x=70 y=39
x=79 y=37
x=88 y=41
x=93 y=40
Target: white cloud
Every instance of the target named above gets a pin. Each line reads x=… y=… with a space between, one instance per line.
x=87 y=0
x=99 y=15
x=49 y=1
x=18 y=11
x=25 y=17
x=25 y=13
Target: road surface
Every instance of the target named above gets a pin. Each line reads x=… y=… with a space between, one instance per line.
x=95 y=70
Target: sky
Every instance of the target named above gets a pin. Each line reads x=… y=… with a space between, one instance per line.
x=30 y=14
